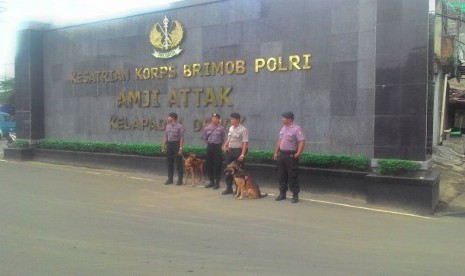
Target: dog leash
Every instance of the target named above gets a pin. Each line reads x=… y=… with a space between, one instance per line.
x=174 y=155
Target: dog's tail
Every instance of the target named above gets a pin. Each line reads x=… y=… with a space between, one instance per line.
x=263 y=195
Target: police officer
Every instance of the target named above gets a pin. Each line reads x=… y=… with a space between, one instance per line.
x=172 y=145
x=291 y=143
x=214 y=136
x=235 y=146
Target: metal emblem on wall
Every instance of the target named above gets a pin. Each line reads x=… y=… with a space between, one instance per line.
x=166 y=38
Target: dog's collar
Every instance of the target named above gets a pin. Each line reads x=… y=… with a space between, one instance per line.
x=246 y=177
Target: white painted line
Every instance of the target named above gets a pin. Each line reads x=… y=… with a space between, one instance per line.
x=9 y=161
x=368 y=209
x=86 y=172
x=362 y=208
x=143 y=179
x=95 y=173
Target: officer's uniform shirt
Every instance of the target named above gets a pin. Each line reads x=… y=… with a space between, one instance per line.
x=290 y=137
x=237 y=136
x=174 y=132
x=214 y=134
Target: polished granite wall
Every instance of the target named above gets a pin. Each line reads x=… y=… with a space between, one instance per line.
x=364 y=95
x=402 y=104
x=29 y=85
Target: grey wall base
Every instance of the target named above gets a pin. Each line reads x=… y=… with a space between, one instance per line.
x=18 y=154
x=319 y=181
x=419 y=193
x=102 y=161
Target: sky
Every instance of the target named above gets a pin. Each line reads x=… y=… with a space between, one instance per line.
x=60 y=12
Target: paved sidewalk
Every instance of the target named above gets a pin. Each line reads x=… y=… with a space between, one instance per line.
x=450 y=162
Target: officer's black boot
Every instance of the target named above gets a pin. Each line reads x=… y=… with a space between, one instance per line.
x=211 y=184
x=180 y=178
x=217 y=185
x=228 y=190
x=282 y=196
x=295 y=198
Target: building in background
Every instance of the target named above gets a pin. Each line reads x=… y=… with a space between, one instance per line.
x=361 y=76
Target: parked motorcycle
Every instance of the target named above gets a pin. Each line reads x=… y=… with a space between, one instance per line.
x=11 y=139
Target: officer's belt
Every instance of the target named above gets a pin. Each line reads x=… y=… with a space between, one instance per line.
x=287 y=151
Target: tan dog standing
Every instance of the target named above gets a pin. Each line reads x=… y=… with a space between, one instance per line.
x=244 y=184
x=193 y=164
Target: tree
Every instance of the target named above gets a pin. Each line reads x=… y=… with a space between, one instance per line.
x=7 y=91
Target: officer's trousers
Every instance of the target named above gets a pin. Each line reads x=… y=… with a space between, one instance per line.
x=288 y=172
x=172 y=158
x=232 y=155
x=214 y=163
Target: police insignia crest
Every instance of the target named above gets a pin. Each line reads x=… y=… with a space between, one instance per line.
x=166 y=38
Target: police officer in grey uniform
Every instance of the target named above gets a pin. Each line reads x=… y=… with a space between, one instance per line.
x=172 y=145
x=214 y=136
x=290 y=145
x=235 y=146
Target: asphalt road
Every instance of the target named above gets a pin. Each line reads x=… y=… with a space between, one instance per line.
x=62 y=220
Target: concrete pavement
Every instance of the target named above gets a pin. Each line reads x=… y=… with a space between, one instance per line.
x=448 y=160
x=63 y=220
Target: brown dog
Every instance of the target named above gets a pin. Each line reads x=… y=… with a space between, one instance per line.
x=192 y=164
x=244 y=184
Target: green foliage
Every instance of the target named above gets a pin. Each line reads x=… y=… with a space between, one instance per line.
x=397 y=167
x=7 y=91
x=326 y=161
x=333 y=161
x=199 y=151
x=135 y=149
x=260 y=156
x=20 y=144
x=102 y=147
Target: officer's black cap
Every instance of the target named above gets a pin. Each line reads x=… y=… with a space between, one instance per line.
x=173 y=115
x=288 y=115
x=236 y=115
x=216 y=115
